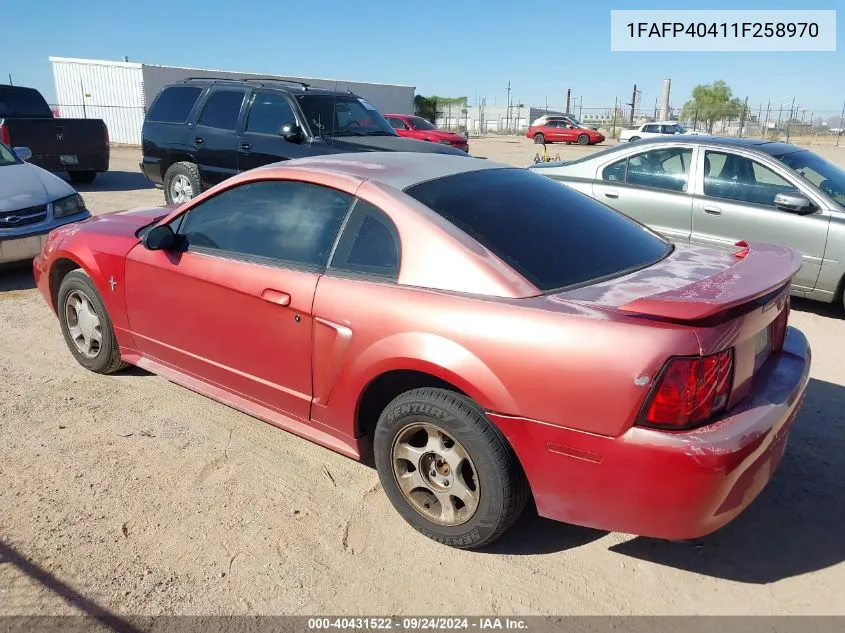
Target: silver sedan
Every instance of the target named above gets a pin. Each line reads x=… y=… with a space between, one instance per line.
x=717 y=191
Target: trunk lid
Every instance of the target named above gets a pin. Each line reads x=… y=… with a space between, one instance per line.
x=730 y=300
x=52 y=138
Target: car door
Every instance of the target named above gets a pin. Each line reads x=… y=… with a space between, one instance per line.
x=652 y=187
x=233 y=305
x=737 y=202
x=214 y=139
x=261 y=142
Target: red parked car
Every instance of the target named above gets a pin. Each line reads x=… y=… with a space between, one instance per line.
x=420 y=129
x=563 y=130
x=487 y=333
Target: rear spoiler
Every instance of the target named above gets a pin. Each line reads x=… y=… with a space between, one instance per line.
x=760 y=270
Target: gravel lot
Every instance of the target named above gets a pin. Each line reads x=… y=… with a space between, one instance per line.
x=132 y=495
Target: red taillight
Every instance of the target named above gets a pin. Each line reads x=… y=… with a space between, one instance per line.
x=745 y=249
x=4 y=135
x=690 y=390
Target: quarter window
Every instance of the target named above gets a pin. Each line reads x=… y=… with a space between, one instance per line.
x=736 y=177
x=174 y=104
x=281 y=220
x=222 y=109
x=666 y=169
x=268 y=113
x=370 y=243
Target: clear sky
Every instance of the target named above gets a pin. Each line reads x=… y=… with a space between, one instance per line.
x=442 y=47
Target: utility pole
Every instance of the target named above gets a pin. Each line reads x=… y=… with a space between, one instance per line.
x=568 y=94
x=766 y=124
x=580 y=106
x=841 y=124
x=613 y=123
x=10 y=80
x=508 y=111
x=633 y=104
x=789 y=120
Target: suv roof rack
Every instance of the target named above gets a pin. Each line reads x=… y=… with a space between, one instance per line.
x=258 y=80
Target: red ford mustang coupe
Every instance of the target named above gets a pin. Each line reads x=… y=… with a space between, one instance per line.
x=486 y=332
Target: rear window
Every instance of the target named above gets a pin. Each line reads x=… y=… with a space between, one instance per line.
x=552 y=235
x=23 y=103
x=174 y=104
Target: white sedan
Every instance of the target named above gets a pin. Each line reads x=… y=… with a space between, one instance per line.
x=660 y=128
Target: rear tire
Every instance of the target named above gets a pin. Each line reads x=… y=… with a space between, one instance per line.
x=583 y=139
x=539 y=139
x=461 y=483
x=82 y=177
x=182 y=182
x=84 y=320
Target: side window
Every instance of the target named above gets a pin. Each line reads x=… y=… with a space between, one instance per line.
x=369 y=244
x=397 y=124
x=666 y=169
x=222 y=109
x=615 y=172
x=174 y=104
x=281 y=220
x=651 y=129
x=268 y=113
x=735 y=177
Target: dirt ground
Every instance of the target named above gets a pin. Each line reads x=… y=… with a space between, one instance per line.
x=130 y=495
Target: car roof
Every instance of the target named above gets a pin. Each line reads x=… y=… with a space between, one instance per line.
x=398 y=170
x=268 y=83
x=774 y=148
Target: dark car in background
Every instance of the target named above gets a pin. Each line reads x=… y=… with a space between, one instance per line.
x=200 y=131
x=78 y=147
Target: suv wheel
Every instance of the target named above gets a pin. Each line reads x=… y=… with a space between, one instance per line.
x=447 y=470
x=181 y=183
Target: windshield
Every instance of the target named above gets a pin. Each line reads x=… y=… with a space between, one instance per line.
x=420 y=123
x=819 y=172
x=6 y=156
x=343 y=115
x=681 y=129
x=553 y=236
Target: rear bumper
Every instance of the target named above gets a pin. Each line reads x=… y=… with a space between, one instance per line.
x=87 y=161
x=660 y=484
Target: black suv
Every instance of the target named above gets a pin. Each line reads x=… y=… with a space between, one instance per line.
x=200 y=131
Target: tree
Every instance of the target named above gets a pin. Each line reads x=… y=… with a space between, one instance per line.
x=712 y=102
x=430 y=107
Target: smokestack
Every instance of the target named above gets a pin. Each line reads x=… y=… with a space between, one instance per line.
x=664 y=100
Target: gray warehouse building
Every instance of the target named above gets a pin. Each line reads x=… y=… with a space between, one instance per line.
x=120 y=92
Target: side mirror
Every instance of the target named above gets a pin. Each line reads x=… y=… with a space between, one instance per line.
x=159 y=238
x=291 y=132
x=23 y=153
x=794 y=203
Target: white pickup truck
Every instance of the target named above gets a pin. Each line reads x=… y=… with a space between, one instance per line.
x=660 y=128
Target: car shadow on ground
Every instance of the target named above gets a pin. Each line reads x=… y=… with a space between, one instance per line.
x=88 y=607
x=115 y=181
x=17 y=276
x=796 y=524
x=830 y=310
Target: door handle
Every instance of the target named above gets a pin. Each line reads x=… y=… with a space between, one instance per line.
x=712 y=210
x=276 y=296
x=198 y=140
x=245 y=147
x=611 y=193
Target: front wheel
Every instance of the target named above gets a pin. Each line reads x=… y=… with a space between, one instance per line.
x=86 y=325
x=447 y=470
x=583 y=139
x=633 y=138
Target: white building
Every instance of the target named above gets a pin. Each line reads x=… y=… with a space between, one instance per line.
x=120 y=92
